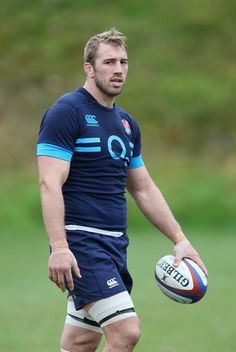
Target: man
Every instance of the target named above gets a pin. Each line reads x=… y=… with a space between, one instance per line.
x=89 y=152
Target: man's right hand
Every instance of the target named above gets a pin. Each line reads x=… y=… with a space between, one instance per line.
x=60 y=265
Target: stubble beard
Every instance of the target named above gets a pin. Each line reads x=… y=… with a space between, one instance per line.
x=105 y=90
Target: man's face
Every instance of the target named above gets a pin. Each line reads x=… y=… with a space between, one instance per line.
x=110 y=69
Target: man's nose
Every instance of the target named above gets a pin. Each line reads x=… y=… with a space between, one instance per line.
x=118 y=68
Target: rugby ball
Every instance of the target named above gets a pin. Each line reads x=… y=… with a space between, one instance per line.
x=186 y=283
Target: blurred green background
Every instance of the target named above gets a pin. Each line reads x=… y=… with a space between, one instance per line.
x=181 y=89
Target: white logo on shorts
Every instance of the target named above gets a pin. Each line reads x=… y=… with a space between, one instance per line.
x=112 y=282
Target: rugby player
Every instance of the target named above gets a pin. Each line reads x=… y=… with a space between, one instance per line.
x=89 y=153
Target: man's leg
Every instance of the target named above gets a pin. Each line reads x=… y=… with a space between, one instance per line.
x=81 y=333
x=77 y=339
x=122 y=336
x=117 y=318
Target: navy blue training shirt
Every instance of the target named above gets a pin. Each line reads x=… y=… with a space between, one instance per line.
x=100 y=144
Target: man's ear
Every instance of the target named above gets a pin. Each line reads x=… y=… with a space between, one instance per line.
x=89 y=70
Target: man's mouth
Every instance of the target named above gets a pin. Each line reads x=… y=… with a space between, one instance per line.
x=117 y=80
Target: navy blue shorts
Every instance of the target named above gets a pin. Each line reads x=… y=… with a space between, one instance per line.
x=102 y=262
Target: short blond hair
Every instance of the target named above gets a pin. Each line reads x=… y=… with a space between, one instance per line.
x=111 y=37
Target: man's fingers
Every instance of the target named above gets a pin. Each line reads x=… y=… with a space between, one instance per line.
x=50 y=274
x=196 y=259
x=61 y=281
x=53 y=277
x=200 y=263
x=184 y=249
x=69 y=280
x=68 y=275
x=76 y=269
x=59 y=277
x=177 y=261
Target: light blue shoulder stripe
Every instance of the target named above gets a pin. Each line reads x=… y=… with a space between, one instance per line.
x=54 y=151
x=136 y=162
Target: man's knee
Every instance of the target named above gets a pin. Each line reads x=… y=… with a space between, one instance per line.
x=134 y=333
x=131 y=333
x=123 y=334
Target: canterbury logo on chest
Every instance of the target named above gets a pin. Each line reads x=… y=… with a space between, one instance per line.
x=91 y=120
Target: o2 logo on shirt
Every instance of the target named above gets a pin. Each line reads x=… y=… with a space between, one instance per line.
x=114 y=154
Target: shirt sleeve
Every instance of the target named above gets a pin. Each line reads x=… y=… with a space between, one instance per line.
x=58 y=131
x=137 y=160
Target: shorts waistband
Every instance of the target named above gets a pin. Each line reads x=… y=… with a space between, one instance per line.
x=93 y=230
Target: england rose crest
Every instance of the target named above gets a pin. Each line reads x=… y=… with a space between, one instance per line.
x=126 y=125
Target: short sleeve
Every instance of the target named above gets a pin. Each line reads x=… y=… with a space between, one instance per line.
x=137 y=160
x=58 y=131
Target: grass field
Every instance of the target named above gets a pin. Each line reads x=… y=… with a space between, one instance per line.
x=203 y=197
x=32 y=309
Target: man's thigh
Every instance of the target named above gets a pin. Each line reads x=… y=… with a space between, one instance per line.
x=114 y=315
x=111 y=309
x=80 y=332
x=76 y=338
